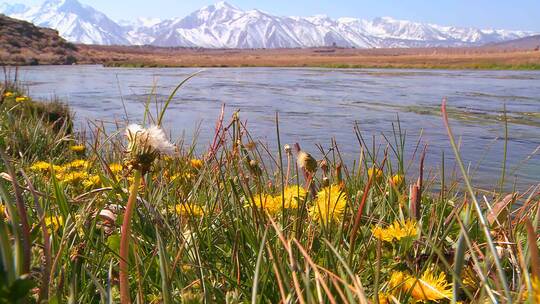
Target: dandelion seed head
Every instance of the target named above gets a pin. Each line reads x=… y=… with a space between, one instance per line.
x=145 y=145
x=287 y=149
x=306 y=161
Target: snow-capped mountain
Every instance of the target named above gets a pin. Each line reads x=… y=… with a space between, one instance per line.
x=223 y=25
x=74 y=21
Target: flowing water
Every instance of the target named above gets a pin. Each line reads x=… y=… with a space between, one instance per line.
x=316 y=105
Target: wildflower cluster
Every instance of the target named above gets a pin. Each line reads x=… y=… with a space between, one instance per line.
x=173 y=227
x=78 y=172
x=15 y=96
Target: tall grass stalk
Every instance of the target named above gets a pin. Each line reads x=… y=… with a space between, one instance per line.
x=482 y=221
x=125 y=296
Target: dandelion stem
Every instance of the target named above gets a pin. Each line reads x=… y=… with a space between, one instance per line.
x=124 y=240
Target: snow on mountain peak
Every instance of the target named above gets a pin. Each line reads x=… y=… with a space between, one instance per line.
x=75 y=21
x=223 y=25
x=225 y=5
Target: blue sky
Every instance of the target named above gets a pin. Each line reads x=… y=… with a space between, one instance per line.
x=507 y=14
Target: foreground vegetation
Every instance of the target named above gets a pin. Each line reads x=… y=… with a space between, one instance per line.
x=244 y=222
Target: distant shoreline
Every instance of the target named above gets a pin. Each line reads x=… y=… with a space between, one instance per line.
x=466 y=58
x=483 y=58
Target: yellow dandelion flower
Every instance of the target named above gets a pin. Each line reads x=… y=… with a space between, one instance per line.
x=115 y=168
x=329 y=205
x=189 y=210
x=23 y=98
x=40 y=166
x=78 y=148
x=53 y=222
x=374 y=173
x=77 y=164
x=9 y=94
x=196 y=163
x=397 y=180
x=2 y=209
x=293 y=195
x=382 y=234
x=407 y=229
x=92 y=181
x=73 y=177
x=429 y=287
x=274 y=203
x=397 y=279
x=384 y=298
x=270 y=203
x=396 y=231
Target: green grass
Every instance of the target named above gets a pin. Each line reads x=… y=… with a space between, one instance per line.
x=200 y=234
x=464 y=66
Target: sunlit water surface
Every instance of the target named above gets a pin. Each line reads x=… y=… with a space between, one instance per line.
x=316 y=105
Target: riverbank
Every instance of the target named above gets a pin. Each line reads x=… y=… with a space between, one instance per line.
x=246 y=222
x=428 y=58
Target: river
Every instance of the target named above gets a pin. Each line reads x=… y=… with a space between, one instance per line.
x=316 y=105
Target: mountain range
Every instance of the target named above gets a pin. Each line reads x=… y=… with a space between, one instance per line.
x=223 y=25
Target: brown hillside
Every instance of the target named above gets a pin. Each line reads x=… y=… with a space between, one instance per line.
x=22 y=43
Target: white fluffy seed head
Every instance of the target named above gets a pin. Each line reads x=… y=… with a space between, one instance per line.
x=158 y=141
x=145 y=145
x=150 y=140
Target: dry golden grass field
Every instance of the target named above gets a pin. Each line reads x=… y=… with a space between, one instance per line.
x=452 y=58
